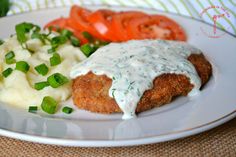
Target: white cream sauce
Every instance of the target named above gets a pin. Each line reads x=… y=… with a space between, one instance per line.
x=134 y=65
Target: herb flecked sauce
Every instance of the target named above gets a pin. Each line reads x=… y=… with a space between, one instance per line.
x=134 y=65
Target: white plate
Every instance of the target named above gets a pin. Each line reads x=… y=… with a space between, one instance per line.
x=183 y=117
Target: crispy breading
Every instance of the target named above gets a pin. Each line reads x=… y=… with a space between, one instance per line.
x=90 y=92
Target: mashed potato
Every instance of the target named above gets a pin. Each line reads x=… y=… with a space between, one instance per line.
x=18 y=88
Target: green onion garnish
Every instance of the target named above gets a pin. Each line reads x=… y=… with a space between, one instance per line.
x=41 y=85
x=88 y=36
x=52 y=50
x=75 y=41
x=10 y=61
x=36 y=35
x=67 y=110
x=1 y=42
x=58 y=40
x=22 y=66
x=33 y=109
x=9 y=57
x=7 y=72
x=42 y=69
x=87 y=49
x=21 y=30
x=66 y=33
x=57 y=79
x=55 y=59
x=49 y=105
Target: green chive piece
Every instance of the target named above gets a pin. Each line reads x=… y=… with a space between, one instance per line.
x=33 y=109
x=1 y=42
x=58 y=40
x=49 y=105
x=52 y=50
x=36 y=28
x=57 y=79
x=66 y=33
x=42 y=69
x=87 y=49
x=75 y=42
x=55 y=59
x=7 y=72
x=10 y=61
x=36 y=35
x=22 y=66
x=88 y=36
x=22 y=29
x=10 y=55
x=41 y=85
x=67 y=110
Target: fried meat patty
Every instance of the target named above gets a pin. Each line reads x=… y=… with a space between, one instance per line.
x=90 y=91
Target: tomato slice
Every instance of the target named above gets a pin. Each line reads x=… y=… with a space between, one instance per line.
x=101 y=21
x=57 y=23
x=155 y=27
x=79 y=19
x=120 y=21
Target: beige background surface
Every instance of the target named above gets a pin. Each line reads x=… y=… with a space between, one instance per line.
x=217 y=142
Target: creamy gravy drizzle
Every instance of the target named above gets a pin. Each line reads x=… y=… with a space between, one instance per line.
x=134 y=65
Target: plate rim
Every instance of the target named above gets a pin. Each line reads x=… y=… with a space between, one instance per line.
x=119 y=143
x=123 y=142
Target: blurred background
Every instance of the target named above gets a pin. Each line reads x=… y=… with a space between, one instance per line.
x=220 y=12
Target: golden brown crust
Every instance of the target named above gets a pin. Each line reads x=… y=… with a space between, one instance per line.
x=90 y=92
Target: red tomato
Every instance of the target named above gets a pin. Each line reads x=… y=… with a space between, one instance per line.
x=120 y=22
x=101 y=21
x=64 y=23
x=57 y=23
x=79 y=18
x=155 y=27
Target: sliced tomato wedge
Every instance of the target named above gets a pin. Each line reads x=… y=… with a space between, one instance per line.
x=101 y=21
x=63 y=23
x=57 y=23
x=79 y=19
x=120 y=22
x=155 y=27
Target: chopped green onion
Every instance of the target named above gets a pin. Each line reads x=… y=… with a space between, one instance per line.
x=103 y=43
x=10 y=61
x=33 y=109
x=52 y=50
x=66 y=33
x=21 y=30
x=58 y=40
x=36 y=28
x=55 y=59
x=67 y=110
x=7 y=72
x=57 y=79
x=10 y=55
x=41 y=85
x=75 y=41
x=1 y=42
x=49 y=105
x=42 y=69
x=87 y=49
x=50 y=28
x=22 y=66
x=88 y=36
x=36 y=35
